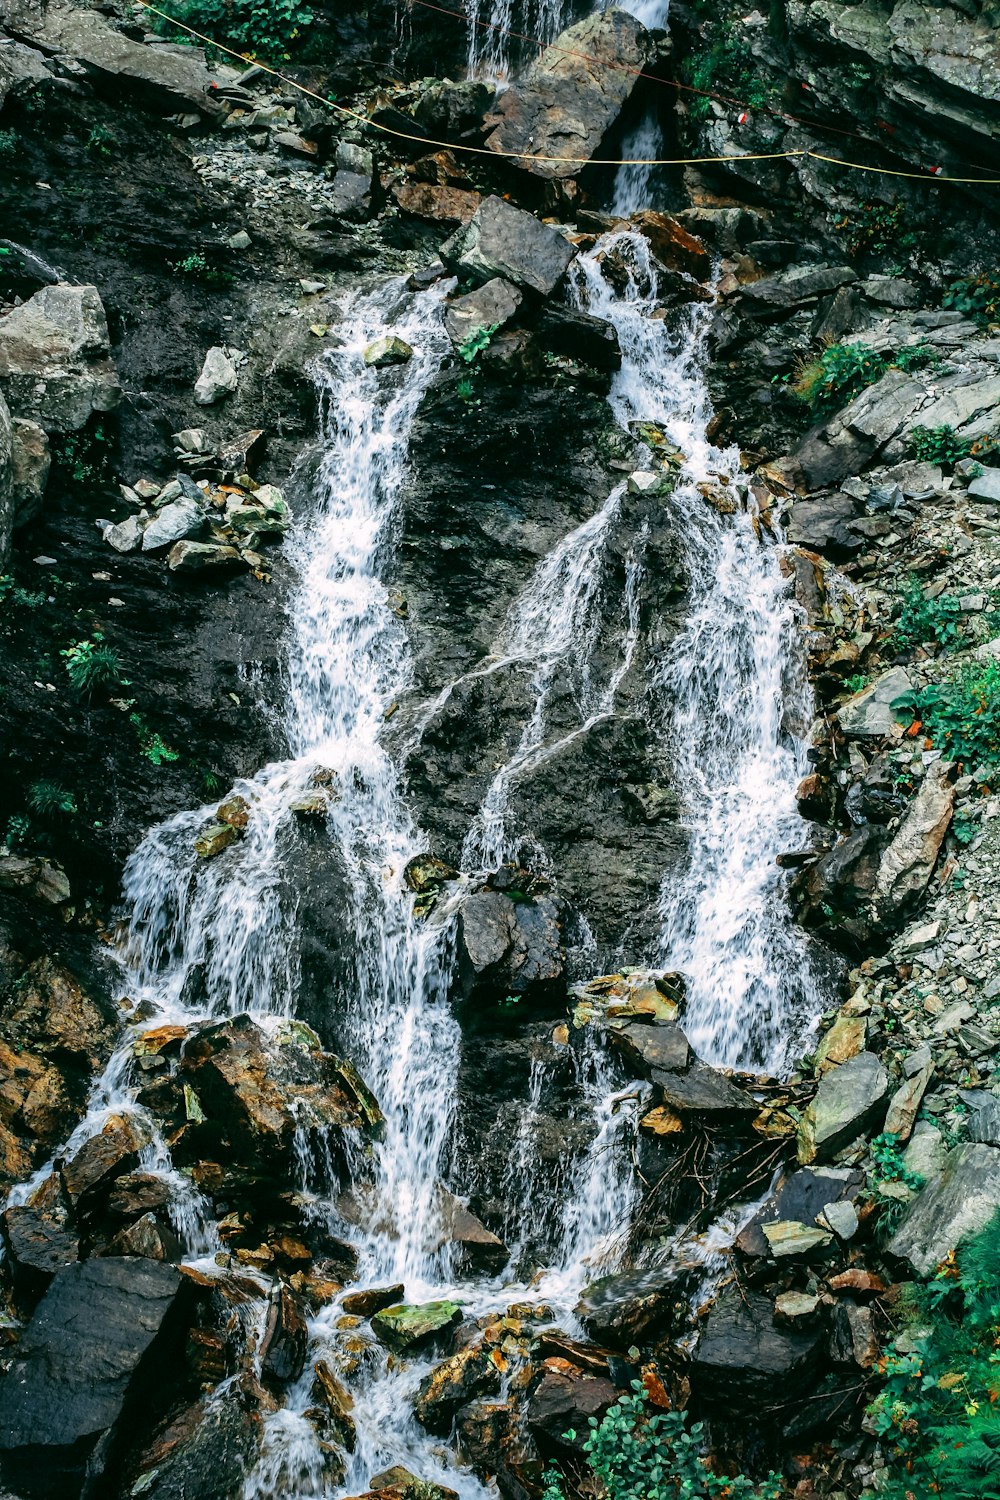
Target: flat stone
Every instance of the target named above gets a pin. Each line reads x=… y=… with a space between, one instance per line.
x=795 y=1307
x=439 y=203
x=704 y=1091
x=203 y=557
x=869 y=715
x=986 y=486
x=105 y=1156
x=787 y=1239
x=849 y=1099
x=213 y=839
x=487 y=307
x=363 y=1304
x=178 y=521
x=404 y=1326
x=905 y=1103
x=845 y=1039
x=646 y=1048
x=959 y=1203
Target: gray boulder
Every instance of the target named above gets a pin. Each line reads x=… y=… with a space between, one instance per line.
x=55 y=358
x=125 y=536
x=30 y=464
x=569 y=97
x=501 y=240
x=21 y=69
x=743 y=1354
x=849 y=441
x=705 y=1092
x=957 y=1204
x=516 y=946
x=219 y=377
x=99 y=1343
x=791 y=288
x=663 y=1046
x=908 y=863
x=986 y=486
x=869 y=715
x=203 y=557
x=849 y=1099
x=176 y=522
x=489 y=306
x=822 y=525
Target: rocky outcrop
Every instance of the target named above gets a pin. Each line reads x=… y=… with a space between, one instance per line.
x=501 y=240
x=55 y=358
x=566 y=101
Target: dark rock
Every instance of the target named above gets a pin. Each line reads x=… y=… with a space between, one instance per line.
x=743 y=1355
x=37 y=1247
x=440 y=204
x=799 y=1196
x=105 y=1156
x=706 y=1092
x=501 y=240
x=848 y=442
x=629 y=1308
x=204 y=1453
x=800 y=284
x=488 y=307
x=508 y=945
x=372 y=1300
x=565 y=101
x=466 y=1375
x=285 y=1339
x=821 y=525
x=63 y=1415
x=565 y=1399
x=645 y=1048
x=673 y=245
x=579 y=336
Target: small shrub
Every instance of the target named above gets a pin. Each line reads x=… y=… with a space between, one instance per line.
x=20 y=598
x=85 y=455
x=151 y=744
x=9 y=143
x=979 y=296
x=938 y=445
x=263 y=28
x=197 y=267
x=474 y=343
x=875 y=228
x=635 y=1454
x=840 y=373
x=857 y=683
x=961 y=716
x=722 y=65
x=99 y=142
x=50 y=800
x=90 y=664
x=922 y=620
x=17 y=831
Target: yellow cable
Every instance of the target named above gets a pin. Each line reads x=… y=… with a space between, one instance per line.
x=568 y=161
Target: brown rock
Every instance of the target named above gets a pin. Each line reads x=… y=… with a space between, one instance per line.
x=860 y=1283
x=365 y=1304
x=105 y=1156
x=442 y=205
x=672 y=244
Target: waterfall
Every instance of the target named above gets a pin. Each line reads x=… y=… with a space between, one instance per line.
x=731 y=691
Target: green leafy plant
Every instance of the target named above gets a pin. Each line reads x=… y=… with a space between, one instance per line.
x=922 y=620
x=20 y=598
x=938 y=1413
x=979 y=296
x=857 y=683
x=840 y=373
x=9 y=143
x=197 y=267
x=960 y=716
x=17 y=831
x=475 y=342
x=100 y=141
x=723 y=64
x=634 y=1453
x=50 y=800
x=887 y=1162
x=90 y=664
x=270 y=29
x=938 y=445
x=151 y=744
x=876 y=227
x=84 y=455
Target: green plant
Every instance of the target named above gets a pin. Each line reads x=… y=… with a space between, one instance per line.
x=857 y=683
x=16 y=832
x=197 y=267
x=50 y=800
x=722 y=64
x=151 y=744
x=922 y=619
x=960 y=716
x=263 y=28
x=99 y=142
x=635 y=1454
x=20 y=598
x=964 y=828
x=875 y=227
x=938 y=445
x=840 y=373
x=888 y=1164
x=9 y=144
x=85 y=455
x=91 y=664
x=475 y=342
x=938 y=1413
x=979 y=296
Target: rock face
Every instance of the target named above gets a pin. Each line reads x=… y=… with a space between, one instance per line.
x=31 y=461
x=55 y=359
x=744 y=1355
x=61 y=1414
x=489 y=306
x=501 y=240
x=512 y=946
x=960 y=1202
x=869 y=713
x=570 y=96
x=909 y=861
x=849 y=1099
x=7 y=504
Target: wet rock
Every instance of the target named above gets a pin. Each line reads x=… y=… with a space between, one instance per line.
x=203 y=557
x=800 y=284
x=213 y=839
x=440 y=203
x=837 y=889
x=744 y=1355
x=338 y=1404
x=487 y=307
x=61 y=1414
x=647 y=1048
x=468 y=1374
x=52 y=1014
x=626 y=1309
x=474 y=1245
x=35 y=877
x=492 y=1441
x=908 y=863
x=30 y=464
x=204 y=1453
x=177 y=521
x=705 y=1092
x=571 y=94
x=372 y=1300
x=105 y=1156
x=501 y=240
x=37 y=1247
x=145 y=1238
x=508 y=945
x=955 y=1205
x=565 y=1399
x=849 y=1100
x=425 y=873
x=407 y=1327
x=55 y=358
x=673 y=245
x=869 y=713
x=388 y=351
x=578 y=336
x=285 y=1339
x=137 y=1193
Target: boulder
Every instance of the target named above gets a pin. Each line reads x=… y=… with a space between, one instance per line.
x=440 y=203
x=983 y=1123
x=822 y=526
x=285 y=1339
x=908 y=863
x=986 y=486
x=705 y=1092
x=625 y=1309
x=958 y=1203
x=466 y=1375
x=501 y=240
x=673 y=245
x=205 y=1452
x=565 y=1399
x=219 y=377
x=105 y=1156
x=799 y=1197
x=371 y=1300
x=743 y=1355
x=55 y=358
x=850 y=1099
x=32 y=875
x=869 y=715
x=645 y=1048
x=406 y=1327
x=30 y=464
x=489 y=306
x=790 y=289
x=50 y=1014
x=102 y=1344
x=203 y=557
x=508 y=945
x=472 y=1243
x=37 y=1247
x=387 y=351
x=22 y=69
x=175 y=522
x=579 y=336
x=849 y=441
x=125 y=536
x=572 y=93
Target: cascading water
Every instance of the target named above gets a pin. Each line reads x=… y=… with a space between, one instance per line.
x=729 y=689
x=492 y=50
